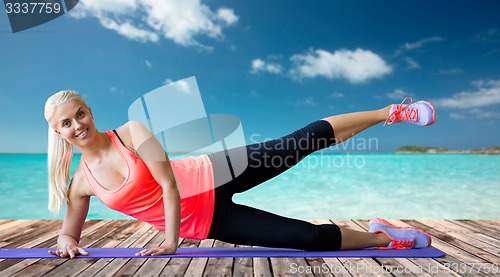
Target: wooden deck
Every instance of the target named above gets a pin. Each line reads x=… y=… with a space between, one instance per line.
x=472 y=248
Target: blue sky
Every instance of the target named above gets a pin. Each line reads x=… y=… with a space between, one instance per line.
x=277 y=65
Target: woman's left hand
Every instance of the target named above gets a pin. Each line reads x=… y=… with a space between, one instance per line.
x=157 y=251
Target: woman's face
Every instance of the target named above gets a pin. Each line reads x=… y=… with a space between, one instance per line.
x=74 y=122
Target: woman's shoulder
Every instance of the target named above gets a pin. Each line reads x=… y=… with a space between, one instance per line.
x=132 y=134
x=133 y=126
x=79 y=185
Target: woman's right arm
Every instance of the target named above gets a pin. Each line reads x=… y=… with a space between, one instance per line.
x=76 y=212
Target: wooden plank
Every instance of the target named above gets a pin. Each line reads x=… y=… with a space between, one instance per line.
x=261 y=267
x=117 y=237
x=289 y=266
x=435 y=266
x=178 y=266
x=197 y=265
x=45 y=265
x=5 y=221
x=478 y=263
x=153 y=266
x=98 y=238
x=130 y=241
x=133 y=265
x=219 y=266
x=15 y=236
x=318 y=267
x=13 y=239
x=467 y=240
x=27 y=236
x=7 y=224
x=11 y=266
x=489 y=224
x=243 y=266
x=479 y=231
x=481 y=226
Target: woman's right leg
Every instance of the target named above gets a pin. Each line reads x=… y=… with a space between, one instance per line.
x=350 y=124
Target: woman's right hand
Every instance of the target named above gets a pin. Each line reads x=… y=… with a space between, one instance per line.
x=70 y=249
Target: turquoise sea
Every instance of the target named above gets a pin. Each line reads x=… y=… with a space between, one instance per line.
x=430 y=186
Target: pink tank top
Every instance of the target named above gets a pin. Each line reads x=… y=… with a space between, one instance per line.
x=141 y=197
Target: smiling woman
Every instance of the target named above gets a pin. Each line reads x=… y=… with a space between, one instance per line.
x=129 y=171
x=74 y=116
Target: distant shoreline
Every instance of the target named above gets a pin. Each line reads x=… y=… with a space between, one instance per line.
x=410 y=149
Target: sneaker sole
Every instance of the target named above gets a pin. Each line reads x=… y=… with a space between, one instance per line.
x=433 y=112
x=383 y=221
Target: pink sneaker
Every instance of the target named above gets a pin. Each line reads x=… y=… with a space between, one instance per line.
x=401 y=237
x=421 y=113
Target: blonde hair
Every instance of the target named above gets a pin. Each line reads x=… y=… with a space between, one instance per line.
x=60 y=151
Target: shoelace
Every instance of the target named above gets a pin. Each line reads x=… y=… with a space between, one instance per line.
x=402 y=112
x=402 y=244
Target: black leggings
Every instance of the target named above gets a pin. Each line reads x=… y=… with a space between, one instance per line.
x=239 y=224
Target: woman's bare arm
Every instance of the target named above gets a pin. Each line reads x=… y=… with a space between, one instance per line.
x=150 y=150
x=76 y=212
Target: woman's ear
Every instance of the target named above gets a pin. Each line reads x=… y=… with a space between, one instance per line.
x=57 y=132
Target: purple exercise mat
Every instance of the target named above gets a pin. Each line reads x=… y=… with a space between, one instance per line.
x=227 y=252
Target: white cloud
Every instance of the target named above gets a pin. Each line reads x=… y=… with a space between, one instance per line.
x=149 y=20
x=398 y=94
x=412 y=64
x=487 y=93
x=254 y=94
x=421 y=43
x=408 y=46
x=306 y=102
x=98 y=7
x=355 y=66
x=128 y=30
x=181 y=85
x=227 y=15
x=489 y=36
x=475 y=113
x=336 y=95
x=148 y=63
x=259 y=65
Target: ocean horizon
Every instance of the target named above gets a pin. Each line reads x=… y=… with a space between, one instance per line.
x=336 y=186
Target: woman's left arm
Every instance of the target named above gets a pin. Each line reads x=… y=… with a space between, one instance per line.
x=152 y=153
x=163 y=174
